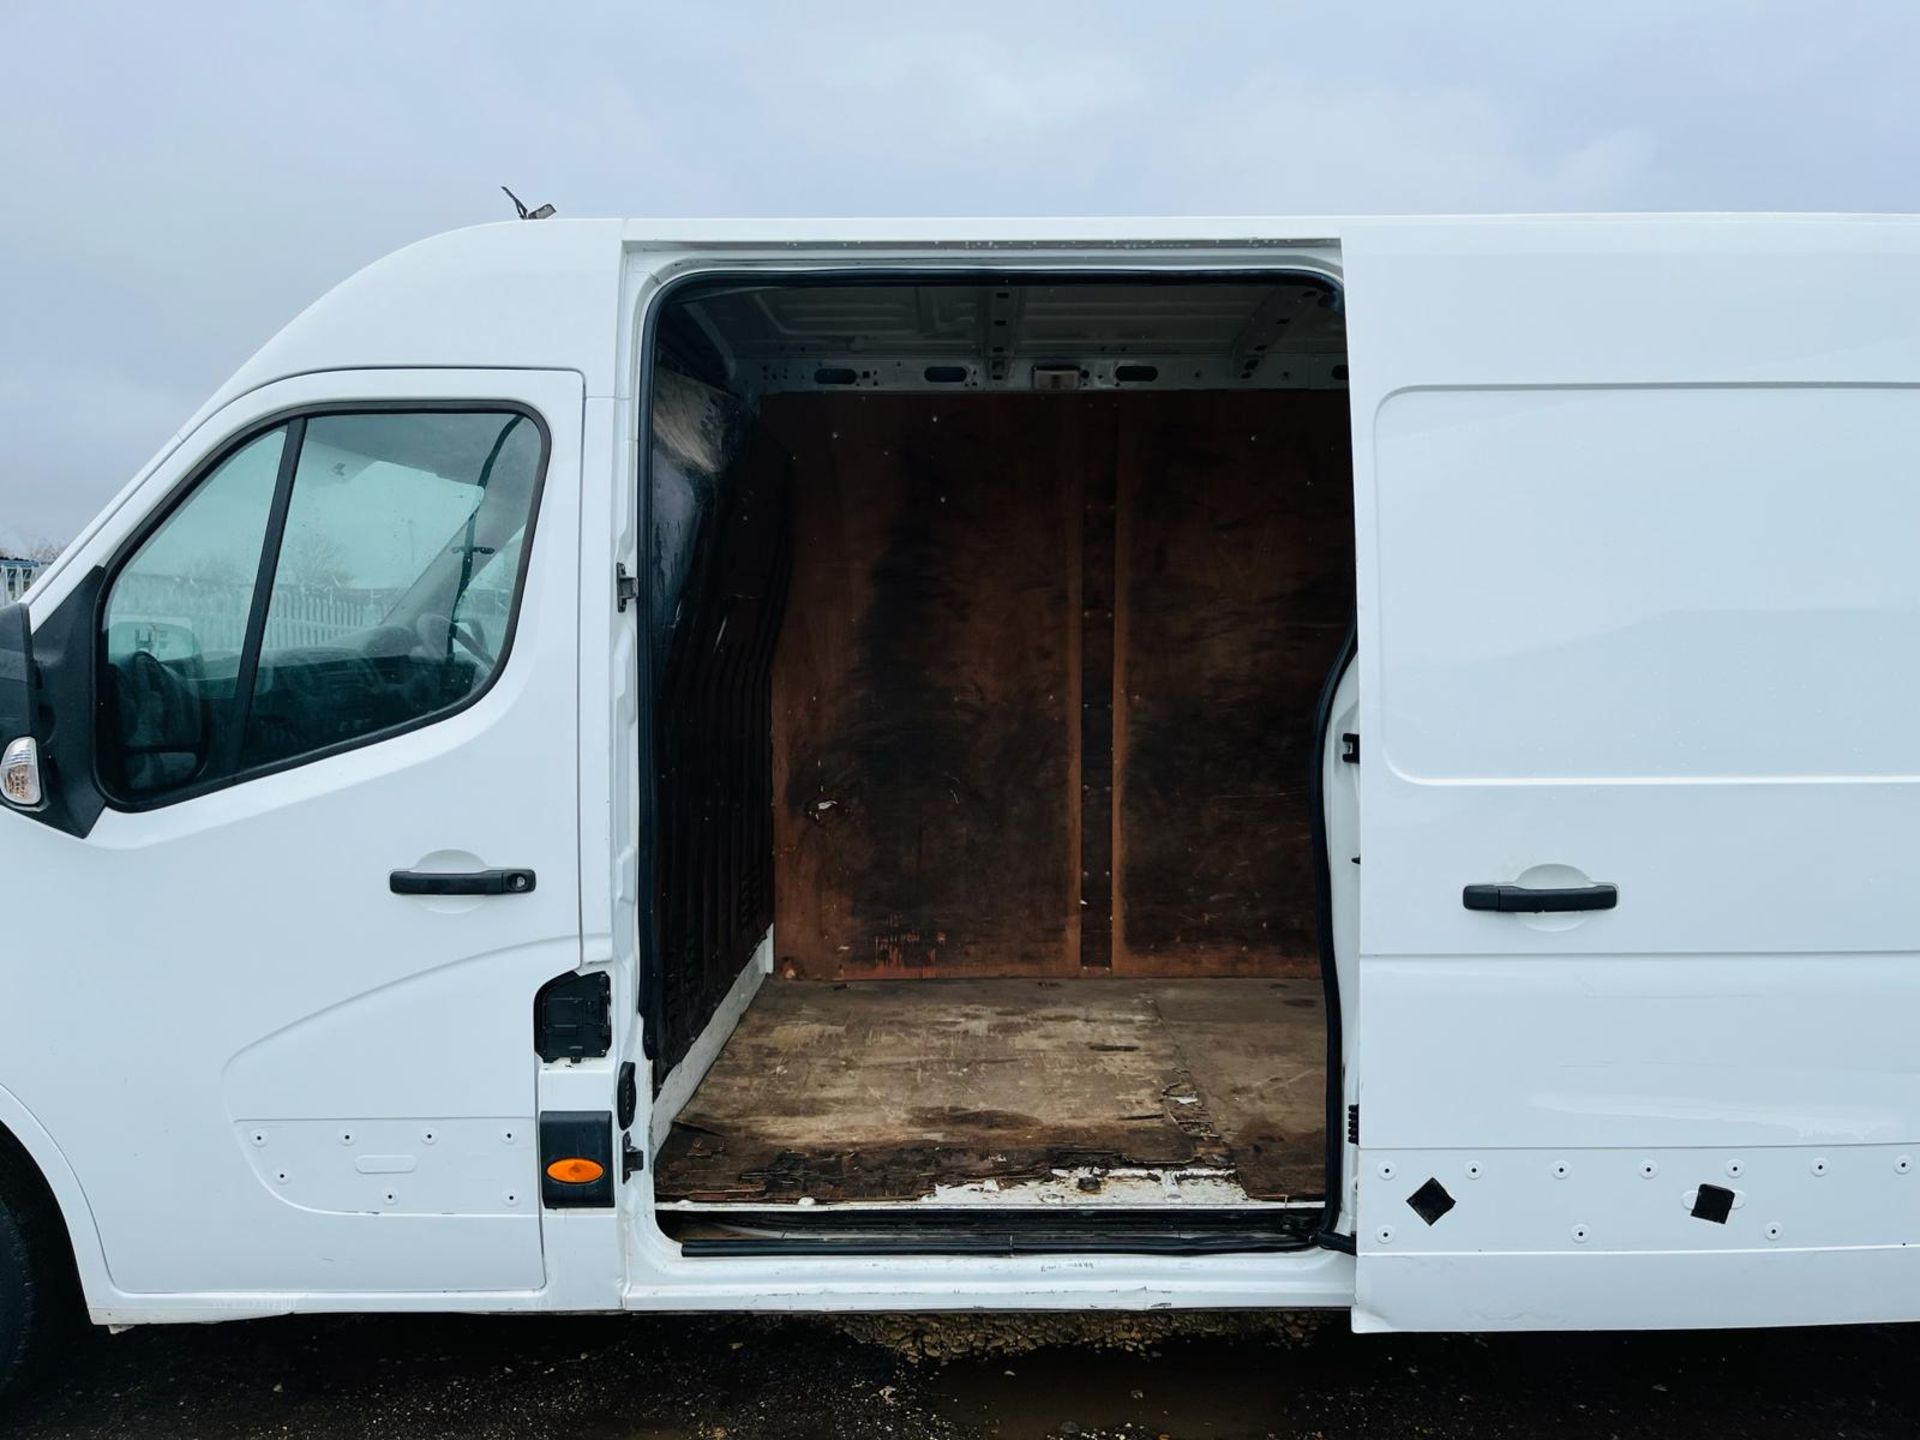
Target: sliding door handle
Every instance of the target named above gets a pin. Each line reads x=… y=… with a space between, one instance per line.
x=1522 y=900
x=471 y=882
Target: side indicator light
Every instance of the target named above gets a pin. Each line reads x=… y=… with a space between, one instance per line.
x=576 y=1171
x=20 y=774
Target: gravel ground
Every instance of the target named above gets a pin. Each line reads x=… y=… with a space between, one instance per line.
x=645 y=1378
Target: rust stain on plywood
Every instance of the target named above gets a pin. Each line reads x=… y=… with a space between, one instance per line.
x=1239 y=582
x=1044 y=700
x=923 y=736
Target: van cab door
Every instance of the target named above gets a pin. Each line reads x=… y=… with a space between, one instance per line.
x=336 y=696
x=1639 y=620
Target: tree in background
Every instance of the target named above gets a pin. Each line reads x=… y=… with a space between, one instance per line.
x=314 y=560
x=40 y=552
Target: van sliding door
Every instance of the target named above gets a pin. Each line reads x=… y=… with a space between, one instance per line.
x=1639 y=975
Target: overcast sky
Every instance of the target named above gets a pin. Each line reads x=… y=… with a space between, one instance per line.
x=181 y=179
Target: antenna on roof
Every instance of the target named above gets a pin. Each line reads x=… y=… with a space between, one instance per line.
x=542 y=213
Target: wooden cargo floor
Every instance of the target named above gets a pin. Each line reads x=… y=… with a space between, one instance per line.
x=1098 y=1091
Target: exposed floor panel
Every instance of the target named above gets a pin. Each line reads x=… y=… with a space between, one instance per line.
x=1095 y=1091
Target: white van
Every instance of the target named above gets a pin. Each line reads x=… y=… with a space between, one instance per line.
x=827 y=766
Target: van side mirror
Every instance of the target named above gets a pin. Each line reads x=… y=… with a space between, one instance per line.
x=46 y=698
x=21 y=783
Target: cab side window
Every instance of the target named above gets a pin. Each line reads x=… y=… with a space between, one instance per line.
x=338 y=578
x=175 y=624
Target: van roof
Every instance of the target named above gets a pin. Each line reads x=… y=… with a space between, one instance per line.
x=545 y=294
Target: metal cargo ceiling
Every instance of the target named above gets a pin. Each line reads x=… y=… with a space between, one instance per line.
x=892 y=336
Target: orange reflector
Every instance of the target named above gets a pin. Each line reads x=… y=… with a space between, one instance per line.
x=576 y=1171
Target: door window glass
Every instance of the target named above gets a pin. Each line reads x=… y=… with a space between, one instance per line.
x=395 y=521
x=176 y=623
x=396 y=548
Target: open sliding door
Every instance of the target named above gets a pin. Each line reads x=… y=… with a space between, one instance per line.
x=1638 y=512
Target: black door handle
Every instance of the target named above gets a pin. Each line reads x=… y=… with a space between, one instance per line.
x=472 y=882
x=1520 y=899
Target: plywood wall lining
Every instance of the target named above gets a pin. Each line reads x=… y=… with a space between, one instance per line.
x=965 y=600
x=1237 y=578
x=925 y=739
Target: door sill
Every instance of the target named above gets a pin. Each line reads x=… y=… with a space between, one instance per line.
x=971 y=1230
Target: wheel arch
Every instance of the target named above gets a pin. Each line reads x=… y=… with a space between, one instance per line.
x=29 y=1152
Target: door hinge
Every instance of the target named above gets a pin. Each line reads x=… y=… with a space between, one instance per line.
x=626 y=588
x=1350 y=748
x=632 y=1161
x=626 y=1095
x=1353 y=1124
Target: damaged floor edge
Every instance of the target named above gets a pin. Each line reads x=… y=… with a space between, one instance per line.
x=1136 y=1188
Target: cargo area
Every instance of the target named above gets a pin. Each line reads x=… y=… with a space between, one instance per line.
x=1206 y=1091
x=989 y=623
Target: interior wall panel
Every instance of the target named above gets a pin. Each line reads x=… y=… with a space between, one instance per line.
x=926 y=744
x=1043 y=700
x=1236 y=578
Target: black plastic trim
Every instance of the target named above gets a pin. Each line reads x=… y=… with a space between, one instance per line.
x=1521 y=900
x=577 y=1134
x=923 y=1230
x=19 y=698
x=1432 y=1201
x=626 y=1094
x=16 y=673
x=185 y=487
x=573 y=1017
x=1004 y=1243
x=466 y=882
x=265 y=569
x=1713 y=1203
x=63 y=650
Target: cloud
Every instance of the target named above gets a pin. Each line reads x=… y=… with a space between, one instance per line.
x=1322 y=149
x=180 y=183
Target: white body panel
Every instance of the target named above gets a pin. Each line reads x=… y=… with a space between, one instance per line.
x=1620 y=612
x=314 y=1084
x=1637 y=610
